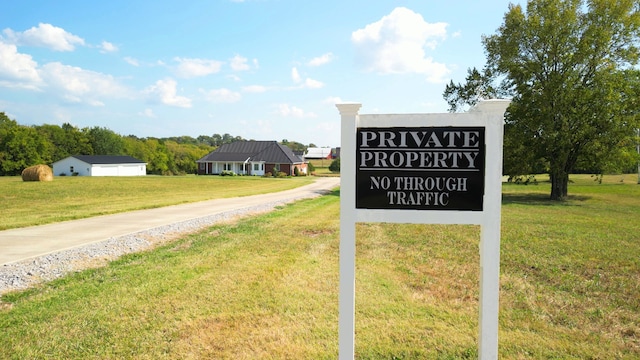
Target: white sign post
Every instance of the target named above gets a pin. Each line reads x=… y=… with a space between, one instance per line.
x=423 y=169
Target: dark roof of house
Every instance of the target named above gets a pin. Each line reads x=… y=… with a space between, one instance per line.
x=241 y=151
x=108 y=159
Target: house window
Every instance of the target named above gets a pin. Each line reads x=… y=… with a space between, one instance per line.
x=202 y=166
x=71 y=169
x=226 y=167
x=257 y=167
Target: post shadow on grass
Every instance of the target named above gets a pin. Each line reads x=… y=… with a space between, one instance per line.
x=538 y=199
x=521 y=199
x=334 y=192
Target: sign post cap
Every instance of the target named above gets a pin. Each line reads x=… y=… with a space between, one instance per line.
x=348 y=108
x=491 y=105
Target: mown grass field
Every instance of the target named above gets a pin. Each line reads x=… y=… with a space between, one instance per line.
x=266 y=287
x=72 y=197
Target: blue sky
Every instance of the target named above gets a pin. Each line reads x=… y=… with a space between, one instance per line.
x=260 y=69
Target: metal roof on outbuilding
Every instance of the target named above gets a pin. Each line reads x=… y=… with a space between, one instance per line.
x=317 y=153
x=108 y=159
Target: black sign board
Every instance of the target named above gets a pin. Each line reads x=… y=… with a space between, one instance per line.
x=424 y=168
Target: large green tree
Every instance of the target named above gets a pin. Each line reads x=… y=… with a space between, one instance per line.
x=20 y=147
x=65 y=140
x=185 y=155
x=569 y=67
x=57 y=137
x=104 y=141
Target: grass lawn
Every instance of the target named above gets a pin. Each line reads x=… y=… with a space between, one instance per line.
x=266 y=287
x=72 y=197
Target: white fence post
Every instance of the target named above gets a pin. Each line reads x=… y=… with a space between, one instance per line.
x=346 y=308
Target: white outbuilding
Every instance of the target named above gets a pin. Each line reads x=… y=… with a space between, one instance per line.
x=318 y=153
x=100 y=165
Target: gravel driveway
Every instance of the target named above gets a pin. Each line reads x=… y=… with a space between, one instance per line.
x=37 y=254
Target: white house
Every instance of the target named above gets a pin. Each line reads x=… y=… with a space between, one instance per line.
x=100 y=165
x=251 y=158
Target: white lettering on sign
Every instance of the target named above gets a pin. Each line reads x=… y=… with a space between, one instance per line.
x=420 y=139
x=418 y=198
x=418 y=191
x=418 y=159
x=419 y=150
x=414 y=183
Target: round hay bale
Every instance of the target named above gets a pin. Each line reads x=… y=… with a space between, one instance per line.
x=37 y=173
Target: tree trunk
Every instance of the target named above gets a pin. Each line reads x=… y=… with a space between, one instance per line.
x=559 y=184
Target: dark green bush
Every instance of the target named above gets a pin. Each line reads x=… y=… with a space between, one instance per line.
x=335 y=166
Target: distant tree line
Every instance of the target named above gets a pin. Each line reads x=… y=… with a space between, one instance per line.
x=23 y=146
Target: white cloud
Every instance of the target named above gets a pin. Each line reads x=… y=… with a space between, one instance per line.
x=295 y=75
x=147 y=113
x=293 y=111
x=166 y=90
x=93 y=102
x=107 y=47
x=62 y=115
x=16 y=69
x=72 y=84
x=263 y=127
x=321 y=60
x=79 y=85
x=255 y=89
x=222 y=95
x=132 y=61
x=45 y=35
x=333 y=100
x=396 y=44
x=313 y=84
x=327 y=127
x=239 y=63
x=190 y=68
x=306 y=83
